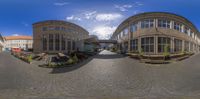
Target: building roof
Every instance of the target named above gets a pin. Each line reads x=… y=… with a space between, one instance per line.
x=18 y=38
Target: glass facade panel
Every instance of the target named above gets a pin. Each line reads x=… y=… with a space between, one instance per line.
x=186 y=46
x=147 y=44
x=63 y=42
x=73 y=45
x=186 y=30
x=134 y=45
x=44 y=43
x=164 y=23
x=68 y=45
x=133 y=27
x=51 y=42
x=162 y=43
x=57 y=42
x=148 y=23
x=177 y=26
x=177 y=45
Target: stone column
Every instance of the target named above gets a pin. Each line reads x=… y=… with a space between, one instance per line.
x=189 y=47
x=183 y=45
x=172 y=44
x=182 y=28
x=139 y=44
x=171 y=24
x=155 y=23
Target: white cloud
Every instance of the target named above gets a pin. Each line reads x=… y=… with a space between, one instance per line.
x=90 y=15
x=73 y=18
x=123 y=7
x=138 y=4
x=60 y=3
x=93 y=15
x=108 y=16
x=103 y=32
x=15 y=34
x=128 y=6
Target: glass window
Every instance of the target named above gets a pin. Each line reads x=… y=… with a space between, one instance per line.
x=147 y=44
x=134 y=45
x=186 y=46
x=186 y=30
x=134 y=27
x=73 y=45
x=177 y=26
x=63 y=28
x=44 y=43
x=126 y=32
x=44 y=28
x=51 y=42
x=57 y=42
x=162 y=43
x=51 y=28
x=177 y=45
x=63 y=42
x=69 y=45
x=148 y=23
x=164 y=23
x=57 y=28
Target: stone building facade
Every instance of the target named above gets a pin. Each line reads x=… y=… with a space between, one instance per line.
x=151 y=32
x=23 y=42
x=2 y=43
x=56 y=36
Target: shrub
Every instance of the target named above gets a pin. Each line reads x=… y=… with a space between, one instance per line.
x=30 y=58
x=70 y=61
x=75 y=58
x=141 y=52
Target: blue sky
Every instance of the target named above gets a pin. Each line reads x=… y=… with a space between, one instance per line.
x=99 y=17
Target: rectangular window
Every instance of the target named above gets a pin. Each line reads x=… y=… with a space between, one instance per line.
x=126 y=32
x=177 y=26
x=57 y=28
x=57 y=42
x=164 y=23
x=163 y=44
x=51 y=42
x=186 y=30
x=147 y=44
x=63 y=42
x=133 y=27
x=68 y=45
x=44 y=28
x=44 y=43
x=177 y=45
x=186 y=46
x=134 y=45
x=73 y=45
x=148 y=23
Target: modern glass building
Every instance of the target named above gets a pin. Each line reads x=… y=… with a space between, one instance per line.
x=55 y=36
x=151 y=32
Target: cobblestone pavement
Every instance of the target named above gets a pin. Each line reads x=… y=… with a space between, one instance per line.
x=105 y=76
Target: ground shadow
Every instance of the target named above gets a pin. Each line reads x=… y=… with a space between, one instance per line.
x=109 y=56
x=71 y=68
